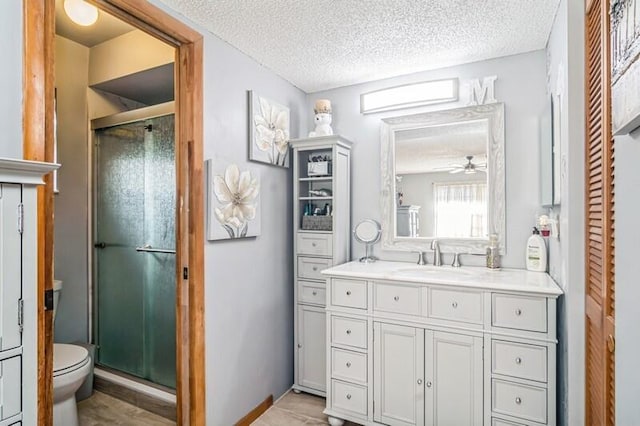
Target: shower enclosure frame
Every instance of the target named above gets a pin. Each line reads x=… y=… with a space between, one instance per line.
x=38 y=144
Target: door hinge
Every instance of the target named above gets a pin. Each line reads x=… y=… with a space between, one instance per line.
x=20 y=218
x=185 y=273
x=21 y=315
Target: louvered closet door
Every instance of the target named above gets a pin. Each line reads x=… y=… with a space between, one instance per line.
x=600 y=391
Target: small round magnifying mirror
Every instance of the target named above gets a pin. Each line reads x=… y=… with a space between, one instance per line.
x=367 y=232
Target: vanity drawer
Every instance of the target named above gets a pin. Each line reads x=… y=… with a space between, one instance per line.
x=315 y=244
x=527 y=402
x=348 y=365
x=310 y=267
x=349 y=331
x=519 y=312
x=455 y=305
x=349 y=293
x=311 y=292
x=500 y=422
x=349 y=397
x=10 y=387
x=519 y=360
x=397 y=298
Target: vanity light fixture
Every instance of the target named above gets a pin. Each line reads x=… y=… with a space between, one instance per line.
x=81 y=12
x=410 y=95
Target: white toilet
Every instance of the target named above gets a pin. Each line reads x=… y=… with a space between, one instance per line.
x=71 y=365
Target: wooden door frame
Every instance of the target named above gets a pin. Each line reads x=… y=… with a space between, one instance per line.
x=38 y=139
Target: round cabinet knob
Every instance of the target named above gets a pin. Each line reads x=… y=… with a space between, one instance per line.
x=313 y=244
x=315 y=268
x=348 y=364
x=454 y=304
x=518 y=360
x=518 y=311
x=348 y=396
x=396 y=298
x=348 y=292
x=348 y=331
x=428 y=384
x=299 y=346
x=518 y=400
x=419 y=381
x=314 y=293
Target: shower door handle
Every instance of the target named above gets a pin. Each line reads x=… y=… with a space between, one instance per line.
x=100 y=245
x=148 y=249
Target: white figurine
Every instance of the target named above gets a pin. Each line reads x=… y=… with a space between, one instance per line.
x=322 y=118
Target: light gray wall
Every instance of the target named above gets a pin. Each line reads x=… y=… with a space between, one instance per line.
x=249 y=283
x=520 y=85
x=565 y=54
x=11 y=79
x=72 y=202
x=627 y=290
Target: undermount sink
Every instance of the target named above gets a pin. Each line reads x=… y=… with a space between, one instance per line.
x=417 y=271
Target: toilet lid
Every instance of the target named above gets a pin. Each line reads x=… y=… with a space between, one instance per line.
x=67 y=357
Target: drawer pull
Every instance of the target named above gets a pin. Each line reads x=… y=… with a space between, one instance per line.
x=419 y=381
x=518 y=312
x=454 y=304
x=428 y=384
x=396 y=298
x=299 y=346
x=315 y=268
x=313 y=244
x=348 y=396
x=315 y=293
x=518 y=360
x=518 y=400
x=348 y=364
x=348 y=331
x=348 y=292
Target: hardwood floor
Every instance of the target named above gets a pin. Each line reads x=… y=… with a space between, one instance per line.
x=295 y=409
x=105 y=410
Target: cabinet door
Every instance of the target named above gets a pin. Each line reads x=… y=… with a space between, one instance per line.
x=311 y=347
x=10 y=261
x=398 y=382
x=453 y=364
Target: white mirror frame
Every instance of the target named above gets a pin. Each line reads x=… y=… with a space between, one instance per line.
x=494 y=114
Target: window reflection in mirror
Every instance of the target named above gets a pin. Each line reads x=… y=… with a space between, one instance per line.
x=441 y=181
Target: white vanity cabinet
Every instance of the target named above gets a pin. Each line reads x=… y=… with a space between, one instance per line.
x=322 y=235
x=424 y=345
x=18 y=286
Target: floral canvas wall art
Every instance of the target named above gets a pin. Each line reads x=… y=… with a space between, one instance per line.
x=268 y=131
x=233 y=198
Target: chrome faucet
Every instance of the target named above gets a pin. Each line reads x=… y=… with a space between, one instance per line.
x=437 y=256
x=422 y=259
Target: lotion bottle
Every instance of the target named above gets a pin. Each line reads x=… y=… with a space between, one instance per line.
x=536 y=252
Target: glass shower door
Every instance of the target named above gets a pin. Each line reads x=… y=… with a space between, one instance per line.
x=135 y=269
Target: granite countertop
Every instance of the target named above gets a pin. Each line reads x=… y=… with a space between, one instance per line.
x=466 y=276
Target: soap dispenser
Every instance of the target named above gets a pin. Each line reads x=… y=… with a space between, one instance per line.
x=493 y=252
x=536 y=252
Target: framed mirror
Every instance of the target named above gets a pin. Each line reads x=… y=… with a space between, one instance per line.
x=443 y=179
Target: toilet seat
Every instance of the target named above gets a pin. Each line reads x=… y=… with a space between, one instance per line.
x=68 y=358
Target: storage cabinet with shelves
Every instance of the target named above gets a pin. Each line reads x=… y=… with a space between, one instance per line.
x=411 y=345
x=321 y=211
x=18 y=290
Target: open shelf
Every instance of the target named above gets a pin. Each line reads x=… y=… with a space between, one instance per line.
x=314 y=179
x=315 y=198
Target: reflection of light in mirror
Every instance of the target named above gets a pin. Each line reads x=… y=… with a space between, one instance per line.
x=411 y=95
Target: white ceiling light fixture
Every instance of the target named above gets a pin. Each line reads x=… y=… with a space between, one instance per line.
x=410 y=95
x=81 y=12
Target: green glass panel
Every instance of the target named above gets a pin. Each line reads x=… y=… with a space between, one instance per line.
x=135 y=207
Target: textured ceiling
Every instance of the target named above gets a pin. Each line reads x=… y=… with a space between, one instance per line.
x=322 y=44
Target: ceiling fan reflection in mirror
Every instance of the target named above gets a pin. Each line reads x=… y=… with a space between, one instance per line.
x=468 y=168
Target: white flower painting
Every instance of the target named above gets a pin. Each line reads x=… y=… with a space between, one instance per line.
x=268 y=131
x=233 y=201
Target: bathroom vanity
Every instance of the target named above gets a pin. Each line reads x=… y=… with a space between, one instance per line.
x=18 y=290
x=426 y=345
